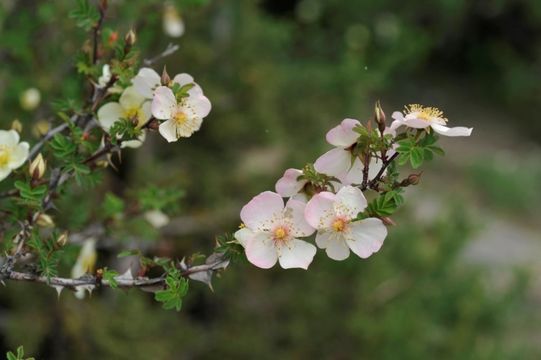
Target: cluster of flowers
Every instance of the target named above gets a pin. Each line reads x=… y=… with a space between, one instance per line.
x=271 y=229
x=178 y=104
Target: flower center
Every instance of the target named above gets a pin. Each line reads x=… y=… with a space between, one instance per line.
x=280 y=234
x=425 y=113
x=339 y=225
x=134 y=113
x=4 y=155
x=180 y=117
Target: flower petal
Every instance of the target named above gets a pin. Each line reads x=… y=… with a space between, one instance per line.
x=19 y=155
x=343 y=135
x=456 y=131
x=168 y=130
x=413 y=121
x=108 y=114
x=197 y=106
x=355 y=174
x=263 y=211
x=296 y=254
x=366 y=236
x=349 y=202
x=4 y=172
x=288 y=185
x=131 y=98
x=261 y=252
x=337 y=248
x=319 y=211
x=334 y=162
x=163 y=103
x=9 y=138
x=146 y=81
x=185 y=79
x=244 y=235
x=133 y=144
x=294 y=214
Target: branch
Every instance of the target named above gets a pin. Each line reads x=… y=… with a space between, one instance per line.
x=378 y=176
x=171 y=48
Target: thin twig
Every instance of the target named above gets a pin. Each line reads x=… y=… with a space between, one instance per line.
x=378 y=176
x=171 y=48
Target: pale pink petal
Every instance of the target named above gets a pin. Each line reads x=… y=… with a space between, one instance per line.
x=366 y=237
x=355 y=174
x=323 y=237
x=456 y=131
x=163 y=103
x=294 y=215
x=375 y=166
x=337 y=248
x=168 y=130
x=196 y=106
x=185 y=79
x=334 y=162
x=261 y=252
x=343 y=135
x=349 y=202
x=411 y=120
x=263 y=211
x=397 y=115
x=288 y=185
x=319 y=211
x=296 y=254
x=244 y=235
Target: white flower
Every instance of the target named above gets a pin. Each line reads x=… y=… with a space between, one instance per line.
x=85 y=264
x=339 y=162
x=30 y=99
x=272 y=231
x=105 y=76
x=156 y=218
x=290 y=186
x=333 y=214
x=146 y=82
x=172 y=22
x=130 y=106
x=420 y=117
x=184 y=116
x=12 y=153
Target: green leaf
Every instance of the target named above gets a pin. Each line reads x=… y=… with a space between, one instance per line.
x=62 y=146
x=85 y=15
x=110 y=276
x=177 y=288
x=416 y=157
x=112 y=205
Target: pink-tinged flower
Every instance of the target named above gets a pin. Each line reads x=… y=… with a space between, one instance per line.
x=272 y=230
x=333 y=214
x=420 y=117
x=183 y=116
x=290 y=185
x=340 y=162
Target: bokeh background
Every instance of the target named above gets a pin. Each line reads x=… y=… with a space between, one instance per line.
x=458 y=278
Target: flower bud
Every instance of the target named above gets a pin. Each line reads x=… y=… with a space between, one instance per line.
x=44 y=220
x=172 y=21
x=130 y=38
x=153 y=124
x=40 y=128
x=17 y=126
x=414 y=179
x=102 y=163
x=37 y=167
x=62 y=239
x=165 y=77
x=379 y=117
x=30 y=99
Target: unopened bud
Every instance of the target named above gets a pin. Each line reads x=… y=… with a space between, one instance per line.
x=130 y=38
x=62 y=239
x=379 y=117
x=37 y=167
x=41 y=128
x=414 y=179
x=102 y=163
x=44 y=220
x=30 y=99
x=153 y=124
x=165 y=77
x=17 y=125
x=388 y=221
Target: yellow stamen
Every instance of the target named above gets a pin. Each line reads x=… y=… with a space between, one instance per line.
x=280 y=234
x=425 y=113
x=180 y=117
x=4 y=155
x=339 y=225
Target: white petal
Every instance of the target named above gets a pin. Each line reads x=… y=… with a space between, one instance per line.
x=197 y=106
x=108 y=114
x=9 y=138
x=294 y=214
x=288 y=185
x=343 y=135
x=365 y=237
x=456 y=131
x=18 y=155
x=168 y=130
x=319 y=211
x=397 y=115
x=131 y=98
x=334 y=162
x=411 y=120
x=185 y=79
x=323 y=237
x=4 y=172
x=134 y=144
x=349 y=202
x=163 y=103
x=296 y=254
x=146 y=81
x=355 y=174
x=263 y=211
x=337 y=248
x=156 y=218
x=244 y=235
x=145 y=115
x=261 y=252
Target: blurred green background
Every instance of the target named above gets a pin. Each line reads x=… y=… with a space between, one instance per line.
x=458 y=278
